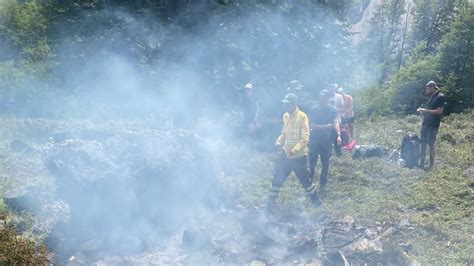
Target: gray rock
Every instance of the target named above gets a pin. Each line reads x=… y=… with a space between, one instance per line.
x=363 y=246
x=404 y=223
x=195 y=239
x=24 y=200
x=469 y=172
x=339 y=233
x=303 y=247
x=406 y=247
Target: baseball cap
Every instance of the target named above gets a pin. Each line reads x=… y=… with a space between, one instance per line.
x=290 y=98
x=431 y=83
x=294 y=85
x=324 y=92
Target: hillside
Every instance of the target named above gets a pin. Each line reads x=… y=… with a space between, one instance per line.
x=418 y=216
x=125 y=131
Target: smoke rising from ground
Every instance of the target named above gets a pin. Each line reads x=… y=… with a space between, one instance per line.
x=113 y=60
x=185 y=73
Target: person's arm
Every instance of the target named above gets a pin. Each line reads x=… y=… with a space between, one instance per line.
x=348 y=105
x=339 y=104
x=281 y=139
x=257 y=112
x=437 y=111
x=304 y=136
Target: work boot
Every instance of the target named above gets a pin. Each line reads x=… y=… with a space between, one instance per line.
x=313 y=195
x=323 y=184
x=315 y=199
x=422 y=164
x=431 y=164
x=271 y=203
x=430 y=168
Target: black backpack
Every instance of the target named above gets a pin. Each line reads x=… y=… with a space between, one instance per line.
x=410 y=150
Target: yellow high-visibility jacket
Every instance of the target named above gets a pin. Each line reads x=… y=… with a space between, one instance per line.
x=294 y=134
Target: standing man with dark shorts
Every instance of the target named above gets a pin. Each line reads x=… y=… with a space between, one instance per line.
x=293 y=145
x=431 y=121
x=347 y=117
x=323 y=121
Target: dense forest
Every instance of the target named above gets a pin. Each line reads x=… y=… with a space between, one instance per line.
x=121 y=131
x=134 y=51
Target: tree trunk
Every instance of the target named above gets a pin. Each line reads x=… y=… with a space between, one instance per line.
x=400 y=54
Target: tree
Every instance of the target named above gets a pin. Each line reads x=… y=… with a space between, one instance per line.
x=407 y=86
x=381 y=46
x=431 y=20
x=456 y=61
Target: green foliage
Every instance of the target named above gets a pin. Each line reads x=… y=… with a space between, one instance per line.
x=441 y=44
x=25 y=25
x=437 y=204
x=28 y=56
x=431 y=20
x=407 y=86
x=372 y=101
x=457 y=61
x=439 y=55
x=382 y=45
x=18 y=250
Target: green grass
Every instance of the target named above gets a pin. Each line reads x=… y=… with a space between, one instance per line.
x=437 y=204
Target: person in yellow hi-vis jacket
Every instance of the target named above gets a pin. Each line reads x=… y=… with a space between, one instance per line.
x=293 y=143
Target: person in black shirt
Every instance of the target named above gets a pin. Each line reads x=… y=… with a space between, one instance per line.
x=322 y=120
x=431 y=121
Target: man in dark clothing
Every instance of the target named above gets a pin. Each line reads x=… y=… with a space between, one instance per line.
x=337 y=102
x=323 y=121
x=431 y=121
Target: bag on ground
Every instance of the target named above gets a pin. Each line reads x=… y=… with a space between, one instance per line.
x=410 y=150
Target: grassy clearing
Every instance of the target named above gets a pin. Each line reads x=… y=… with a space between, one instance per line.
x=438 y=205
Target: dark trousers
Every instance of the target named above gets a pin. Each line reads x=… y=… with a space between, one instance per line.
x=428 y=137
x=337 y=148
x=284 y=166
x=322 y=150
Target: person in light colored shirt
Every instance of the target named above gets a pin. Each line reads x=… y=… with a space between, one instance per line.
x=347 y=116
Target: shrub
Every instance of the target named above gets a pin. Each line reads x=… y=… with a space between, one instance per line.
x=407 y=87
x=17 y=250
x=371 y=101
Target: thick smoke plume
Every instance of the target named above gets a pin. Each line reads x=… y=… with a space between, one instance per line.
x=141 y=177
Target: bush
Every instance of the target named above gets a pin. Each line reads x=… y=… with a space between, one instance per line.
x=371 y=101
x=17 y=250
x=407 y=87
x=456 y=61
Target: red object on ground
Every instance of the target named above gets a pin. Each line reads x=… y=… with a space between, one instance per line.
x=350 y=145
